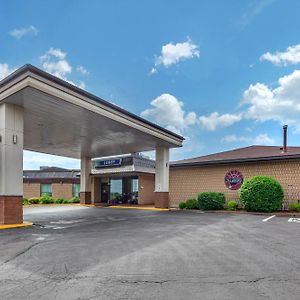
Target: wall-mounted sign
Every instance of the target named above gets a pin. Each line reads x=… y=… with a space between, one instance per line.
x=108 y=162
x=234 y=179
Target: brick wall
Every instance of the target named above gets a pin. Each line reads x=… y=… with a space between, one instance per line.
x=62 y=190
x=146 y=189
x=188 y=182
x=31 y=190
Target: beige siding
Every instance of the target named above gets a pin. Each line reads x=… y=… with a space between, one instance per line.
x=188 y=182
x=31 y=190
x=146 y=189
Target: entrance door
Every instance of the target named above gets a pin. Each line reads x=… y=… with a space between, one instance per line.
x=104 y=192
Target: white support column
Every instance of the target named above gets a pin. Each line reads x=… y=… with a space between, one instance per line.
x=162 y=177
x=11 y=163
x=85 y=180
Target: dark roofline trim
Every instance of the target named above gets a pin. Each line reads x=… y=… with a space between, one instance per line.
x=28 y=67
x=56 y=171
x=51 y=180
x=235 y=161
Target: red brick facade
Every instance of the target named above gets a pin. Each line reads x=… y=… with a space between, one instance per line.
x=11 y=210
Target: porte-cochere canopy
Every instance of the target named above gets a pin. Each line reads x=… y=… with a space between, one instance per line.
x=40 y=112
x=61 y=119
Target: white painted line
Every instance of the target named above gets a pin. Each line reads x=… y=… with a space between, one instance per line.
x=269 y=218
x=294 y=220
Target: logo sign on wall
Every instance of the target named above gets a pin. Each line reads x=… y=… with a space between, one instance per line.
x=234 y=179
x=108 y=162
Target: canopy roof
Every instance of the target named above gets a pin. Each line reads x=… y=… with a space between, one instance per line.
x=62 y=119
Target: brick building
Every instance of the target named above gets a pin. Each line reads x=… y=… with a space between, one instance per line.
x=116 y=180
x=207 y=173
x=130 y=178
x=57 y=182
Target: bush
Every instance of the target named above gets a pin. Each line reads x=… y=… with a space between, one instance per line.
x=294 y=207
x=46 y=199
x=34 y=200
x=25 y=201
x=182 y=205
x=75 y=200
x=191 y=204
x=65 y=201
x=59 y=200
x=232 y=205
x=261 y=193
x=211 y=201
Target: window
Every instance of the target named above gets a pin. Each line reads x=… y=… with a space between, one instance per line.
x=115 y=188
x=134 y=185
x=75 y=189
x=46 y=188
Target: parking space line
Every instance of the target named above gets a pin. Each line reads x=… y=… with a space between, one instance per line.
x=294 y=220
x=269 y=218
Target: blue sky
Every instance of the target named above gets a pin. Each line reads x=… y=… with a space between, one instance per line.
x=224 y=74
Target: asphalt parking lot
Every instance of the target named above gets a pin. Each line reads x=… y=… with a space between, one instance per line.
x=101 y=253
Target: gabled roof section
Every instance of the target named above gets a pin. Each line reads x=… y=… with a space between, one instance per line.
x=246 y=154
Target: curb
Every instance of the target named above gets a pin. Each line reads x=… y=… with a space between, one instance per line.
x=8 y=226
x=139 y=208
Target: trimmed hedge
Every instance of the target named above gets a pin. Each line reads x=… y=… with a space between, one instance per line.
x=182 y=205
x=34 y=200
x=261 y=193
x=191 y=204
x=211 y=201
x=46 y=199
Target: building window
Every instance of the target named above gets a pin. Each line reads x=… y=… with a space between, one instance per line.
x=75 y=189
x=46 y=188
x=115 y=188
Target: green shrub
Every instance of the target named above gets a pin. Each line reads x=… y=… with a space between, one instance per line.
x=75 y=200
x=65 y=201
x=232 y=205
x=191 y=204
x=261 y=193
x=211 y=200
x=294 y=207
x=25 y=201
x=182 y=205
x=46 y=199
x=59 y=200
x=34 y=200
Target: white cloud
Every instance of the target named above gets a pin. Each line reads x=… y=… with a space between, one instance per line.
x=21 y=32
x=168 y=111
x=82 y=70
x=281 y=103
x=54 y=61
x=264 y=139
x=232 y=138
x=215 y=120
x=290 y=56
x=5 y=70
x=261 y=139
x=174 y=53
